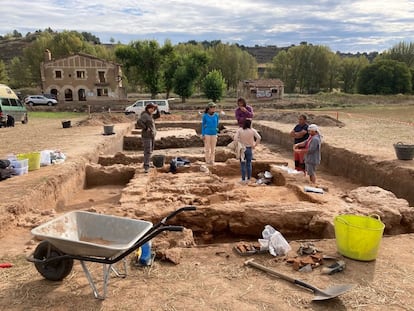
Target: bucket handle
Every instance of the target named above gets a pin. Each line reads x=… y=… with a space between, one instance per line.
x=338 y=218
x=376 y=216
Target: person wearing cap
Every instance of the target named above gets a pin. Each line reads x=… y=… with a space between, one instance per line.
x=209 y=130
x=243 y=111
x=300 y=134
x=311 y=148
x=148 y=132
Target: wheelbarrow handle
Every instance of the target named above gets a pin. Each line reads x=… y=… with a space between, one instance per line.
x=174 y=228
x=182 y=209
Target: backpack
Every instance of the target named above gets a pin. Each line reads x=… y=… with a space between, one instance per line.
x=6 y=173
x=140 y=124
x=4 y=164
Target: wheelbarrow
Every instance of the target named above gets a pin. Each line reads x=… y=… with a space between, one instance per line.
x=92 y=237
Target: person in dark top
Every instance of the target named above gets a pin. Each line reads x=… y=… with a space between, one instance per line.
x=300 y=134
x=148 y=132
x=243 y=111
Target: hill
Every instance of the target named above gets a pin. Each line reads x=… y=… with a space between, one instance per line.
x=12 y=47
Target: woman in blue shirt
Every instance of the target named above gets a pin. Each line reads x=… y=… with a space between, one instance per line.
x=209 y=130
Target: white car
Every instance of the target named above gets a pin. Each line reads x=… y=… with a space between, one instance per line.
x=139 y=106
x=33 y=100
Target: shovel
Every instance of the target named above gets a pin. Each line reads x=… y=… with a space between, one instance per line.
x=329 y=293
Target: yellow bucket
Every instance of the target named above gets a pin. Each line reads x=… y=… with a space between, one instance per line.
x=358 y=237
x=33 y=157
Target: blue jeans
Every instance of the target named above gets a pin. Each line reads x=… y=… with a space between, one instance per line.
x=246 y=166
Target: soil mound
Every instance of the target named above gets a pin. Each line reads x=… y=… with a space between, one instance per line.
x=96 y=119
x=292 y=118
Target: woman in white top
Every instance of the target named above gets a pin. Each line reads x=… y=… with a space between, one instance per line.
x=249 y=138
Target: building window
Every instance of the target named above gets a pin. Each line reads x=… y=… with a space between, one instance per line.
x=80 y=74
x=102 y=92
x=101 y=76
x=58 y=74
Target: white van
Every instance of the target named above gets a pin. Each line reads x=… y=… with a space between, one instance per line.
x=139 y=106
x=10 y=105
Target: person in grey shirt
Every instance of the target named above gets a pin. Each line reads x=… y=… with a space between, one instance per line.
x=312 y=151
x=148 y=132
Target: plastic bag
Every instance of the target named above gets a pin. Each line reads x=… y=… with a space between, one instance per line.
x=274 y=241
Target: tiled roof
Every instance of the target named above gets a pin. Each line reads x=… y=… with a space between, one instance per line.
x=263 y=82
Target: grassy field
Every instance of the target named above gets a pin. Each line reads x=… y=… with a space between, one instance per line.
x=55 y=115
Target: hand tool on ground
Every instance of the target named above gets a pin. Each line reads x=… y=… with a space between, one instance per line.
x=328 y=293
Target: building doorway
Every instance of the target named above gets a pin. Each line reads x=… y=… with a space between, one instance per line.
x=68 y=95
x=82 y=95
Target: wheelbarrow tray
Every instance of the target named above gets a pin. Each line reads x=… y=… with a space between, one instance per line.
x=92 y=235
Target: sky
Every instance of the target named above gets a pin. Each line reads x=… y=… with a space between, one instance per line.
x=347 y=26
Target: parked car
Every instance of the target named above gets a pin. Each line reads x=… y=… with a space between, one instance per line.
x=139 y=106
x=33 y=100
x=51 y=96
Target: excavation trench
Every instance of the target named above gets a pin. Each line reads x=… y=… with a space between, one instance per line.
x=115 y=184
x=227 y=210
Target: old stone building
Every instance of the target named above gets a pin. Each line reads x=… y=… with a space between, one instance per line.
x=261 y=89
x=81 y=77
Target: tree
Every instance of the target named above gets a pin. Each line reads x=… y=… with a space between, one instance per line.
x=214 y=85
x=147 y=57
x=234 y=63
x=90 y=38
x=19 y=73
x=170 y=67
x=3 y=73
x=281 y=69
x=183 y=83
x=333 y=70
x=385 y=77
x=349 y=71
x=402 y=52
x=187 y=73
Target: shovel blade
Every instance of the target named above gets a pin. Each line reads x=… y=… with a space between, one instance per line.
x=331 y=292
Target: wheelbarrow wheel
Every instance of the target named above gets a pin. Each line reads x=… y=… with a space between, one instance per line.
x=55 y=270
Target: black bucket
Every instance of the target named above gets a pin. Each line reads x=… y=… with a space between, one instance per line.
x=66 y=124
x=404 y=152
x=158 y=160
x=108 y=129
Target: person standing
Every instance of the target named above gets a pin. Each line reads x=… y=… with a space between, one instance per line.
x=148 y=132
x=209 y=130
x=243 y=111
x=300 y=134
x=249 y=138
x=311 y=148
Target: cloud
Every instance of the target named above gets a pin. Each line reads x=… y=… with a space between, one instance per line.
x=348 y=26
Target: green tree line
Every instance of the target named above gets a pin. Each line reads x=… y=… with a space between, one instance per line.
x=309 y=69
x=214 y=67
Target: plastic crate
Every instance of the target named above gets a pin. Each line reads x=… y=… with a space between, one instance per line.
x=19 y=163
x=21 y=170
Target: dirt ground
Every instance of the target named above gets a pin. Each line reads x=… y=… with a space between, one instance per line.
x=209 y=276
